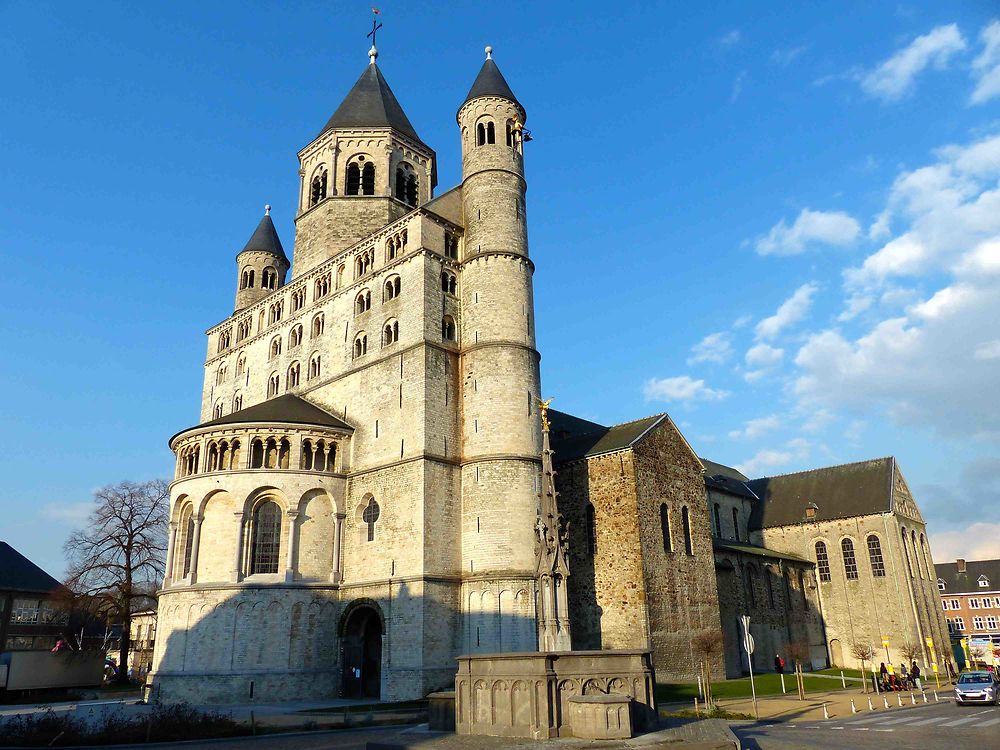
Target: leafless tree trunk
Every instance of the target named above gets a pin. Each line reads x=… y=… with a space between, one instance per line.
x=799 y=651
x=863 y=652
x=117 y=560
x=707 y=644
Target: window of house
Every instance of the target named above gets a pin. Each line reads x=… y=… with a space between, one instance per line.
x=275 y=347
x=822 y=562
x=266 y=538
x=272 y=385
x=391 y=289
x=237 y=402
x=906 y=553
x=225 y=339
x=944 y=604
x=959 y=624
x=977 y=623
x=295 y=336
x=668 y=543
x=294 y=373
x=274 y=314
x=269 y=278
x=363 y=302
x=314 y=366
x=451 y=245
x=736 y=524
x=875 y=556
x=243 y=329
x=769 y=585
x=390 y=332
x=448 y=282
x=363 y=263
x=340 y=275
x=941 y=584
x=591 y=529
x=955 y=604
x=217 y=412
x=686 y=525
x=360 y=177
x=406 y=184
x=187 y=539
x=448 y=328
x=850 y=562
x=717 y=513
x=984 y=582
x=317 y=189
x=298 y=299
x=491 y=132
x=991 y=622
x=368 y=179
x=370 y=516
x=246 y=278
x=322 y=287
x=973 y=603
x=220 y=375
x=318 y=324
x=360 y=345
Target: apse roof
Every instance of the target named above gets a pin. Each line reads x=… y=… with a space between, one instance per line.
x=265 y=238
x=371 y=104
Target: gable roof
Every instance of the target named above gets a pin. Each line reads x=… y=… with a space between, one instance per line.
x=287 y=409
x=968 y=582
x=371 y=104
x=590 y=439
x=265 y=239
x=18 y=573
x=845 y=491
x=490 y=82
x=726 y=479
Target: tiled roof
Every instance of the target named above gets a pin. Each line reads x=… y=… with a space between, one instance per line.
x=18 y=573
x=591 y=439
x=287 y=409
x=265 y=238
x=968 y=582
x=726 y=479
x=371 y=104
x=490 y=82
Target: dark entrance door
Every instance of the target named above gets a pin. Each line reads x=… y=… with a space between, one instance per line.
x=362 y=665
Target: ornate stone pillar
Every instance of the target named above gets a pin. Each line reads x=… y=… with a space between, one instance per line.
x=169 y=568
x=194 y=547
x=238 y=555
x=292 y=544
x=336 y=576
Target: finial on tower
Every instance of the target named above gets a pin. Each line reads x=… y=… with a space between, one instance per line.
x=373 y=52
x=267 y=209
x=489 y=53
x=543 y=407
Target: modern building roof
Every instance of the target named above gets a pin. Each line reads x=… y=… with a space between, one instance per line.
x=956 y=582
x=371 y=104
x=577 y=438
x=265 y=238
x=18 y=573
x=490 y=82
x=287 y=409
x=726 y=479
x=745 y=548
x=844 y=491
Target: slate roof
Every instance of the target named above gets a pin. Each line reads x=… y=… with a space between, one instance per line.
x=287 y=409
x=968 y=582
x=371 y=104
x=845 y=491
x=265 y=238
x=726 y=479
x=18 y=573
x=490 y=82
x=591 y=439
x=746 y=548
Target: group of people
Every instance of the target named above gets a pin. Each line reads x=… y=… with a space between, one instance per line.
x=904 y=679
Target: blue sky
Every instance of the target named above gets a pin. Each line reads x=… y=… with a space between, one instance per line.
x=781 y=225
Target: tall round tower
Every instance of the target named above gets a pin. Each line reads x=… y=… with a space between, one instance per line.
x=501 y=440
x=261 y=265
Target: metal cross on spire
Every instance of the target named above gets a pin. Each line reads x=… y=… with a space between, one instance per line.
x=375 y=24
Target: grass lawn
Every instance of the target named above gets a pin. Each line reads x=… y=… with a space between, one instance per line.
x=766 y=684
x=835 y=672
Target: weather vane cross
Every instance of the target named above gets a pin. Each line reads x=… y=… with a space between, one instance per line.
x=375 y=24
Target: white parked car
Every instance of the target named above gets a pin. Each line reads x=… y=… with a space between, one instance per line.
x=977 y=687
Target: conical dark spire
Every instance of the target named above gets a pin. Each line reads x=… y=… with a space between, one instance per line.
x=371 y=104
x=265 y=238
x=490 y=82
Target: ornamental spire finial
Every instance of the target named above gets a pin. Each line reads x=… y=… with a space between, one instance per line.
x=267 y=209
x=489 y=53
x=543 y=407
x=373 y=52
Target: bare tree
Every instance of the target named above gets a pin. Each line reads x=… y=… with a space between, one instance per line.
x=863 y=652
x=707 y=644
x=117 y=560
x=799 y=651
x=911 y=652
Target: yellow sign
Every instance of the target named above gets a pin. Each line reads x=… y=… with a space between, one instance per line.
x=934 y=666
x=891 y=671
x=930 y=643
x=885 y=641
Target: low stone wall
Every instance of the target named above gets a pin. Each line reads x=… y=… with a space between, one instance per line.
x=527 y=694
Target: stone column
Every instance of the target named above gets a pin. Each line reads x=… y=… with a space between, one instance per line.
x=169 y=568
x=336 y=576
x=194 y=547
x=238 y=557
x=292 y=539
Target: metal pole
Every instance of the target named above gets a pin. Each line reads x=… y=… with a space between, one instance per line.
x=753 y=690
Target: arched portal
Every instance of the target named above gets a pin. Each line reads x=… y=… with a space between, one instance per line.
x=361 y=641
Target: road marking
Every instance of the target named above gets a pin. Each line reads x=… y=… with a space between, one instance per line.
x=885 y=730
x=898 y=721
x=860 y=729
x=989 y=723
x=955 y=723
x=922 y=722
x=870 y=719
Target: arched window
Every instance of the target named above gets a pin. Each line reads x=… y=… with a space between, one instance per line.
x=269 y=278
x=363 y=263
x=314 y=366
x=927 y=556
x=370 y=516
x=340 y=276
x=480 y=134
x=295 y=336
x=237 y=402
x=217 y=413
x=906 y=552
x=875 y=556
x=272 y=385
x=275 y=347
x=241 y=364
x=317 y=190
x=360 y=345
x=450 y=246
x=510 y=133
x=406 y=184
x=686 y=524
x=294 y=372
x=318 y=325
x=322 y=287
x=266 y=538
x=668 y=542
x=736 y=524
x=448 y=282
x=751 y=575
x=298 y=299
x=363 y=302
x=390 y=332
x=186 y=526
x=769 y=585
x=274 y=314
x=368 y=179
x=718 y=520
x=917 y=555
x=353 y=180
x=225 y=339
x=591 y=530
x=850 y=562
x=243 y=329
x=246 y=278
x=822 y=562
x=391 y=289
x=448 y=328
x=412 y=189
x=220 y=375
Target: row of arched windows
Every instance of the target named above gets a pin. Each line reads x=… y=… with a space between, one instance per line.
x=268 y=278
x=265 y=453
x=361 y=181
x=406 y=184
x=752 y=576
x=360 y=177
x=923 y=566
x=486 y=133
x=875 y=558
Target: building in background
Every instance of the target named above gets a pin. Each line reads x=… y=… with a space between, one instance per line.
x=970 y=601
x=34 y=611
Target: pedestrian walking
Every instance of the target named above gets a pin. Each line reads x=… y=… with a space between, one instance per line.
x=779 y=664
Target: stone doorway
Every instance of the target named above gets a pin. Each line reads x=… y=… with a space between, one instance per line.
x=361 y=636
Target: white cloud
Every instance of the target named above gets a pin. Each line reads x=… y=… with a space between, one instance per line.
x=986 y=66
x=791 y=311
x=818 y=421
x=810 y=228
x=855 y=305
x=989 y=350
x=730 y=38
x=680 y=388
x=895 y=77
x=787 y=56
x=979 y=540
x=715 y=347
x=74 y=514
x=768 y=459
x=762 y=358
x=737 y=86
x=742 y=322
x=755 y=428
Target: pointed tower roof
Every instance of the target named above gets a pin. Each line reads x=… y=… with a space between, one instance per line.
x=371 y=104
x=265 y=238
x=490 y=82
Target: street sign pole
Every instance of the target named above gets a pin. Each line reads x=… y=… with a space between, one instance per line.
x=749 y=645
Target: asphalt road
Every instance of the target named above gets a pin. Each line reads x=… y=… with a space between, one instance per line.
x=937 y=726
